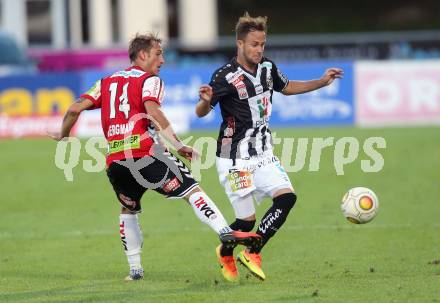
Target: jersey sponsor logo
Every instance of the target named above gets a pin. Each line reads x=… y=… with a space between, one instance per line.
x=262 y=121
x=263 y=106
x=201 y=204
x=171 y=185
x=240 y=85
x=120 y=129
x=95 y=90
x=258 y=88
x=232 y=77
x=269 y=81
x=152 y=88
x=135 y=73
x=243 y=93
x=283 y=77
x=131 y=142
x=240 y=180
x=238 y=81
x=241 y=88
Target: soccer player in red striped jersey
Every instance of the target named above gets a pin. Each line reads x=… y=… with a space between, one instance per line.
x=130 y=102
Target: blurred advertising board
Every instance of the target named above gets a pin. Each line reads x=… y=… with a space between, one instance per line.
x=30 y=105
x=50 y=60
x=331 y=105
x=397 y=92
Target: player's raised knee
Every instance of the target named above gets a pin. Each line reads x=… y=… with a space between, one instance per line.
x=285 y=201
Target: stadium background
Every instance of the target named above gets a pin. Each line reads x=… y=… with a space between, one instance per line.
x=59 y=240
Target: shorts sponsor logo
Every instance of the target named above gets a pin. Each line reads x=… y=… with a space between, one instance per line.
x=171 y=185
x=261 y=163
x=127 y=201
x=240 y=180
x=201 y=204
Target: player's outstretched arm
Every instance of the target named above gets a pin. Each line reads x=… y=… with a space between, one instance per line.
x=300 y=87
x=71 y=117
x=203 y=107
x=163 y=125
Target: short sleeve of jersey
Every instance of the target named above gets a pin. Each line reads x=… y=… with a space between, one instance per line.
x=219 y=88
x=153 y=90
x=280 y=80
x=94 y=94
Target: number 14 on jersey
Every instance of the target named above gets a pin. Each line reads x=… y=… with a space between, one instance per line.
x=124 y=105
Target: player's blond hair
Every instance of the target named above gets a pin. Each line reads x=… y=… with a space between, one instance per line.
x=140 y=43
x=247 y=24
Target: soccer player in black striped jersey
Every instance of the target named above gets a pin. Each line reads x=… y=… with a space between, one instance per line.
x=247 y=168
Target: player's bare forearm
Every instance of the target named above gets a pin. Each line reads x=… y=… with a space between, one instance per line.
x=300 y=87
x=69 y=121
x=71 y=117
x=203 y=108
x=162 y=124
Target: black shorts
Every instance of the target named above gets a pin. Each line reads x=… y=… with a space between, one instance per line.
x=163 y=173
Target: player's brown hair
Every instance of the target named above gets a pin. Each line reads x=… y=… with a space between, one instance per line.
x=247 y=24
x=141 y=42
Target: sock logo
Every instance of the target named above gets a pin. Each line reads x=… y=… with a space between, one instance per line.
x=269 y=220
x=122 y=234
x=201 y=204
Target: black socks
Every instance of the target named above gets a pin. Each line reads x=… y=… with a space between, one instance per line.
x=274 y=218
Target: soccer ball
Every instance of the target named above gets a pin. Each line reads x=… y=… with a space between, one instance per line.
x=360 y=205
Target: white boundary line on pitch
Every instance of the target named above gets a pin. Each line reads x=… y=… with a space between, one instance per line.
x=80 y=233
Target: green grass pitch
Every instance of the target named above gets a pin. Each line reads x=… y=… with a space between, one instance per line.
x=59 y=240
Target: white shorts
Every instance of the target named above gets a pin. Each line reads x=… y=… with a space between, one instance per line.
x=250 y=180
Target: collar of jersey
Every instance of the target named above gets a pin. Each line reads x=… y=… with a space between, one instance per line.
x=248 y=73
x=134 y=67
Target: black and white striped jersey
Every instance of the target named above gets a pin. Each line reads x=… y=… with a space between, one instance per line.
x=245 y=101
